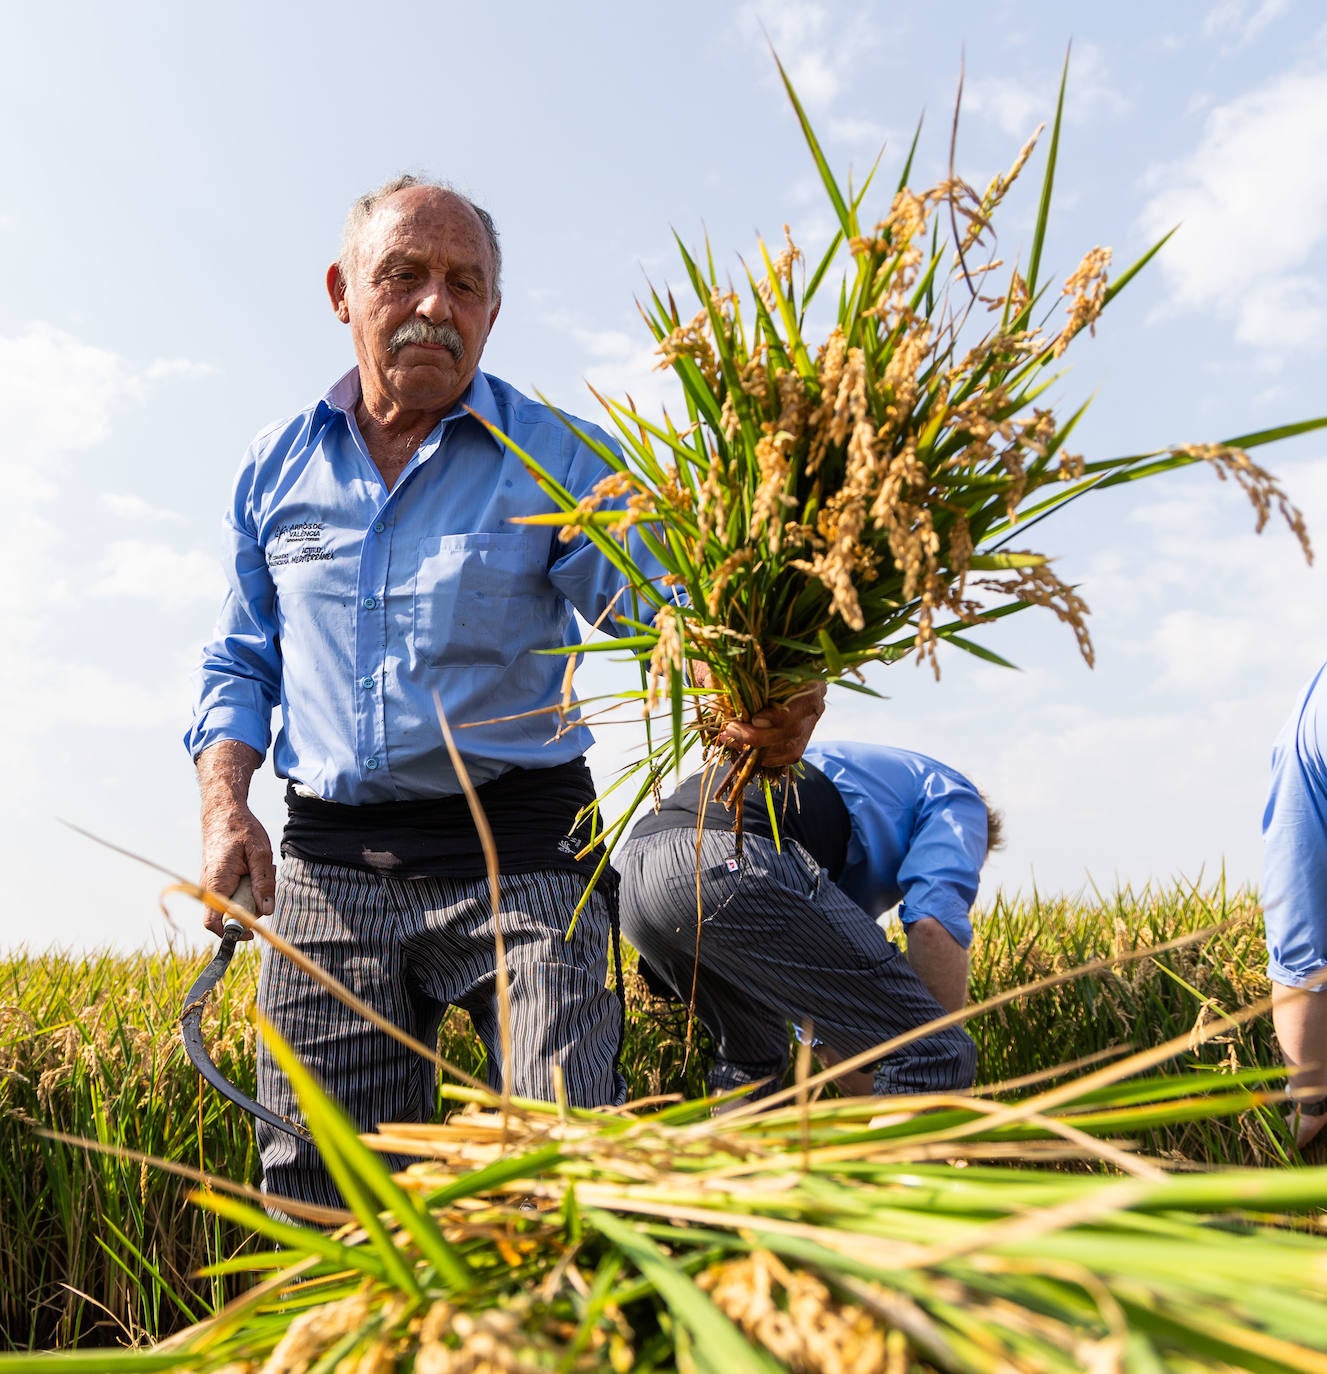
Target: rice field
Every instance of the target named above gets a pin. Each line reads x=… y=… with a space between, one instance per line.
x=99 y=1249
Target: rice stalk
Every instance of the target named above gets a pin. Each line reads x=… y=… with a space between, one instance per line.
x=867 y=433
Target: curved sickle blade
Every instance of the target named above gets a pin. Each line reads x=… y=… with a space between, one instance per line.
x=191 y=1028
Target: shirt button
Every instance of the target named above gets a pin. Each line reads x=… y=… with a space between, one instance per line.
x=378 y=527
x=370 y=763
x=366 y=682
x=370 y=602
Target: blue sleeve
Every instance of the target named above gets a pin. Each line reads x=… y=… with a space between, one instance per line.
x=1294 y=869
x=238 y=683
x=942 y=866
x=918 y=832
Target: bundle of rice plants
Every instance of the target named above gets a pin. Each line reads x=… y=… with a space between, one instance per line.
x=852 y=474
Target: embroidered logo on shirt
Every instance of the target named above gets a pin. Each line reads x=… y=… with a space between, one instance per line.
x=298 y=542
x=568 y=846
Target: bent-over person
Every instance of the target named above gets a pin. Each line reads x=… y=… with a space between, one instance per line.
x=788 y=931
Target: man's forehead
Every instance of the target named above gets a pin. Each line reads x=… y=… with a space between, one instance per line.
x=427 y=213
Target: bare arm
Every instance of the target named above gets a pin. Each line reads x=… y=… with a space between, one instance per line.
x=234 y=842
x=940 y=962
x=1300 y=1019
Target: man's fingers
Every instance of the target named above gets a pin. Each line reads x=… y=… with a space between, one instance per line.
x=781 y=733
x=262 y=874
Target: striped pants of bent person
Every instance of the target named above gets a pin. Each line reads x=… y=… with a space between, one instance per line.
x=778 y=943
x=411 y=948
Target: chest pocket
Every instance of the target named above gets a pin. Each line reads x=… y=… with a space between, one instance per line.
x=481 y=600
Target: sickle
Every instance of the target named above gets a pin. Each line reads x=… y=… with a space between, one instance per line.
x=191 y=1024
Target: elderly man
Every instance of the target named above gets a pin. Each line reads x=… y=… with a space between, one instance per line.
x=786 y=932
x=374 y=572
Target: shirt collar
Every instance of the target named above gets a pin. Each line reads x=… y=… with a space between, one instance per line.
x=343 y=395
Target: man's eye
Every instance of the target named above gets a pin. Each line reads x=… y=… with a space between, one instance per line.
x=466 y=288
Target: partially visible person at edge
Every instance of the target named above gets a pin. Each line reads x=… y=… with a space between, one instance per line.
x=372 y=565
x=1294 y=901
x=788 y=932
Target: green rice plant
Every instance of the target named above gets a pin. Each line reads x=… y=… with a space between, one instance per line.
x=74 y=1224
x=812 y=1235
x=1128 y=1002
x=94 y=1247
x=868 y=437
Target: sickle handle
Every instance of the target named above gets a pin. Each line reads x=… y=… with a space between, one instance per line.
x=242 y=896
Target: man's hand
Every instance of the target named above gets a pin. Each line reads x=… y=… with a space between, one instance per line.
x=781 y=733
x=234 y=841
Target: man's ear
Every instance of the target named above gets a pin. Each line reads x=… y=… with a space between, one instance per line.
x=336 y=291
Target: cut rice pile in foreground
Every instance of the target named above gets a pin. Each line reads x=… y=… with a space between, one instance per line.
x=952 y=1234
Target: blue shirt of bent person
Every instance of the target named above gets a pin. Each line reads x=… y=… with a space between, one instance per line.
x=918 y=832
x=350 y=606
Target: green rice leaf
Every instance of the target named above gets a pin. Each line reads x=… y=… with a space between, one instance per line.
x=1047 y=185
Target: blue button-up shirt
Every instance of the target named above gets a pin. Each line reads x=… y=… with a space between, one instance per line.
x=350 y=606
x=918 y=832
x=1294 y=867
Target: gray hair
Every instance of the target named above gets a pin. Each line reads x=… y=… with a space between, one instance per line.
x=362 y=211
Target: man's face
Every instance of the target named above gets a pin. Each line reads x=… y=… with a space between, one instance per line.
x=422 y=265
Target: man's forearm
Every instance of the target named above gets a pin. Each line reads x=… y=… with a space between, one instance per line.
x=940 y=962
x=234 y=842
x=225 y=770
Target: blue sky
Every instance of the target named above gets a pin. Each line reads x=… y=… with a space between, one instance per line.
x=172 y=189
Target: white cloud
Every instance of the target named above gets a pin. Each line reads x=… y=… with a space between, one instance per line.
x=60 y=396
x=797 y=32
x=157 y=573
x=868 y=133
x=620 y=366
x=58 y=393
x=1241 y=21
x=617 y=364
x=129 y=506
x=1283 y=313
x=1252 y=214
x=1016 y=107
x=162 y=369
x=818 y=45
x=1017 y=104
x=76 y=693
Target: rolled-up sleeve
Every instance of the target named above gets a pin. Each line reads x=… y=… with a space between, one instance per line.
x=238 y=683
x=941 y=870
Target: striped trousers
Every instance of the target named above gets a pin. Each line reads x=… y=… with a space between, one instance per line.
x=411 y=948
x=779 y=942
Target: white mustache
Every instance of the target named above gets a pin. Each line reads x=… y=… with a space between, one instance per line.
x=421 y=332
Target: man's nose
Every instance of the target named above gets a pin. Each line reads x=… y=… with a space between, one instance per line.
x=435 y=302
